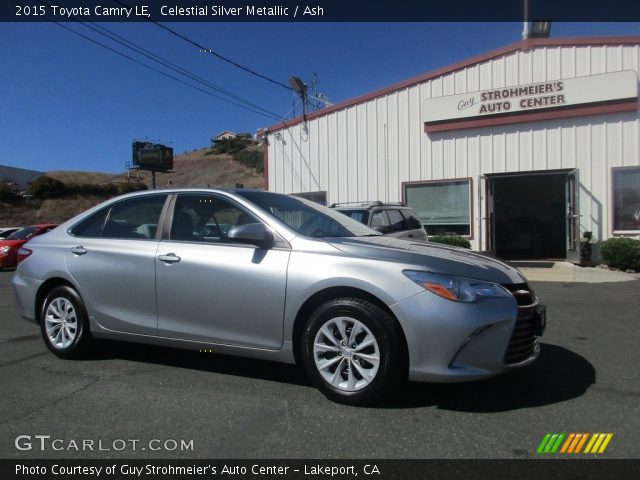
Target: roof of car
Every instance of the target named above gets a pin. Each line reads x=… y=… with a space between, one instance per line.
x=365 y=205
x=44 y=225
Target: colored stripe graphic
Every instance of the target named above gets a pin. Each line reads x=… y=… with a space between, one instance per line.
x=573 y=443
x=598 y=442
x=550 y=443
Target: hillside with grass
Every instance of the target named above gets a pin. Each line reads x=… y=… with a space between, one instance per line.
x=61 y=195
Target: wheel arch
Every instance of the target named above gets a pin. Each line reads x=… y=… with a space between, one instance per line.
x=322 y=296
x=45 y=289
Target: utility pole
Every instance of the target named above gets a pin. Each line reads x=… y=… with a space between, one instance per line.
x=525 y=27
x=314 y=86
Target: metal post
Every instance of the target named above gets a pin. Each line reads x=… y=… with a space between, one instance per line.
x=525 y=28
x=153 y=179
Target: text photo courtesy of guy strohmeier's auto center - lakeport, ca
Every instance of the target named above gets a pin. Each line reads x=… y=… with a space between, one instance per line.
x=317 y=249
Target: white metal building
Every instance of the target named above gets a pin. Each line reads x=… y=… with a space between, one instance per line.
x=521 y=149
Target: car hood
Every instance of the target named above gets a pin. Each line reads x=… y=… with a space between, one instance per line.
x=433 y=257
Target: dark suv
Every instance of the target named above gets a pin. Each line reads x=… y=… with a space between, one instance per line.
x=393 y=219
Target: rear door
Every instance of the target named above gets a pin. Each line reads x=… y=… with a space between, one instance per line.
x=112 y=260
x=213 y=290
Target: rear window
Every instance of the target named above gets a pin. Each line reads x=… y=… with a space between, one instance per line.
x=134 y=218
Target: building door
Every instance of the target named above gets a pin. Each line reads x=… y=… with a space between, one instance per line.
x=572 y=193
x=532 y=215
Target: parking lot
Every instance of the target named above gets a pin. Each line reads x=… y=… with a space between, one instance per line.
x=586 y=380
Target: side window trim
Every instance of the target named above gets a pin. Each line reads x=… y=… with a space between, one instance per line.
x=166 y=218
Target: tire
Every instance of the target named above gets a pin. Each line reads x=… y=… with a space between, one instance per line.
x=64 y=324
x=360 y=376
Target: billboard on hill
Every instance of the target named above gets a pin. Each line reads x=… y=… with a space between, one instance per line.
x=153 y=157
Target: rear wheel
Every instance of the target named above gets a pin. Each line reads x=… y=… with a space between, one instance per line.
x=352 y=351
x=64 y=323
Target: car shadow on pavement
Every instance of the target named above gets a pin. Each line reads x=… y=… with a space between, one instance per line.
x=557 y=376
x=208 y=362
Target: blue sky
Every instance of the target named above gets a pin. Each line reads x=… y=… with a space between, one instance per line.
x=67 y=104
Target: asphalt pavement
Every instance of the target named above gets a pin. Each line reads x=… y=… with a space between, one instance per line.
x=586 y=380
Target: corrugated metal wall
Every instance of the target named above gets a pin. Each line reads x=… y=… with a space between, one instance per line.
x=365 y=152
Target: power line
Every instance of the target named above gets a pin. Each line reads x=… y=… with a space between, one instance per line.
x=268 y=115
x=166 y=63
x=212 y=52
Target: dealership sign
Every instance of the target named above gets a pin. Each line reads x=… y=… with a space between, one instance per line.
x=570 y=92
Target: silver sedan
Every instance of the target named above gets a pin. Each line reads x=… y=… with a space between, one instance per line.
x=270 y=276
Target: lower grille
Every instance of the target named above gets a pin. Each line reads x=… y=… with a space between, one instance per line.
x=523 y=340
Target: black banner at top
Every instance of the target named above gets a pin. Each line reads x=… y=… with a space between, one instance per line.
x=317 y=10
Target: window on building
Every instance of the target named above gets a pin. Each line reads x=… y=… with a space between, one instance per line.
x=626 y=199
x=443 y=207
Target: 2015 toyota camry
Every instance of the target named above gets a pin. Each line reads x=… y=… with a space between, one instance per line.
x=271 y=276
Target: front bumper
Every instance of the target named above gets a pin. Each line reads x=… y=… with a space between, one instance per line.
x=455 y=342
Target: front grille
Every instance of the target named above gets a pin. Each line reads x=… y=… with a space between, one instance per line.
x=523 y=340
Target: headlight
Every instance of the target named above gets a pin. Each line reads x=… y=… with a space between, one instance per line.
x=457 y=289
x=4 y=251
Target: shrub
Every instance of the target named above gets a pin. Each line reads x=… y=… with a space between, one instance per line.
x=238 y=149
x=7 y=194
x=622 y=253
x=250 y=159
x=232 y=145
x=47 y=187
x=453 y=240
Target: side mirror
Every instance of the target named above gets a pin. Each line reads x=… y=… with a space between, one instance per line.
x=252 y=233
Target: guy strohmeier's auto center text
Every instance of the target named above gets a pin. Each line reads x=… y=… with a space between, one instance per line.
x=125 y=469
x=218 y=11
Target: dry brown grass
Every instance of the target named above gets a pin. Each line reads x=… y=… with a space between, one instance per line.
x=79 y=178
x=197 y=169
x=49 y=211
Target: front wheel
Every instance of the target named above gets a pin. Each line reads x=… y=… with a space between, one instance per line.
x=352 y=351
x=64 y=323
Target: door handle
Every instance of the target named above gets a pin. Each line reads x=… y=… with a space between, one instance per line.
x=169 y=258
x=410 y=235
x=80 y=250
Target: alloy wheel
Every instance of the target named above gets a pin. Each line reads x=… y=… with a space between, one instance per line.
x=346 y=354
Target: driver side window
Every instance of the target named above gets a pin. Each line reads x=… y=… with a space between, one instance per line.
x=206 y=219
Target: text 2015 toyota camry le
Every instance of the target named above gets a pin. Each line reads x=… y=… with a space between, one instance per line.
x=270 y=276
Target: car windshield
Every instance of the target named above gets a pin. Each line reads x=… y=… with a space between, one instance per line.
x=23 y=233
x=306 y=217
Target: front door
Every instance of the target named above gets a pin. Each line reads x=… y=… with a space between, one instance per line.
x=212 y=290
x=572 y=193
